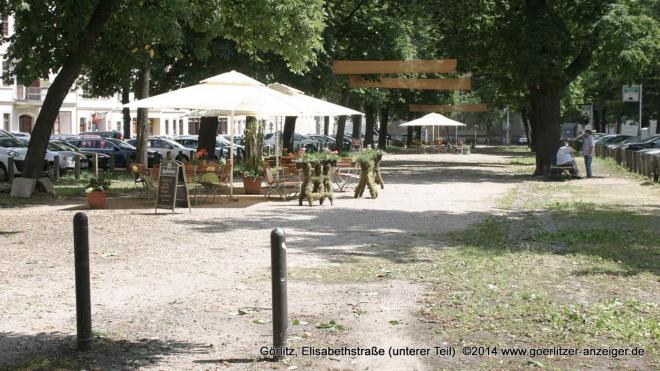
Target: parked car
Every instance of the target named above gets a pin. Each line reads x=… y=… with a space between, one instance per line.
x=11 y=147
x=646 y=143
x=104 y=160
x=21 y=135
x=67 y=157
x=623 y=142
x=612 y=138
x=164 y=146
x=114 y=134
x=191 y=143
x=124 y=152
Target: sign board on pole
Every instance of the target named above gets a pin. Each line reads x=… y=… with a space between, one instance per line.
x=630 y=93
x=171 y=193
x=587 y=111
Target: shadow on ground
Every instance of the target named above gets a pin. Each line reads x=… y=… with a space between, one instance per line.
x=55 y=350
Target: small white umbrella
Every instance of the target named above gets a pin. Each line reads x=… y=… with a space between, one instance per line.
x=231 y=94
x=434 y=119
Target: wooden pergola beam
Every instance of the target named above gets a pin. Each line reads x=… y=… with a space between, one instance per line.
x=472 y=107
x=379 y=67
x=420 y=84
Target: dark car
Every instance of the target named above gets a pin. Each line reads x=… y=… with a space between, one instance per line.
x=124 y=152
x=646 y=143
x=113 y=134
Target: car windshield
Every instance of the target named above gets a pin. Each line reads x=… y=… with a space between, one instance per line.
x=67 y=146
x=9 y=141
x=120 y=144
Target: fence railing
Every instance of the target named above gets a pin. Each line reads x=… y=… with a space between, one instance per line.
x=636 y=162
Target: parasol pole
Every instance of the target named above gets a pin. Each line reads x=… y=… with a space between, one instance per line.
x=278 y=152
x=231 y=154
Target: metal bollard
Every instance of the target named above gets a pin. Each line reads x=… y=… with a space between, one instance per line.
x=76 y=168
x=10 y=169
x=278 y=272
x=83 y=299
x=56 y=168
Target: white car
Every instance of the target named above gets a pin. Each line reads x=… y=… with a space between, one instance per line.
x=163 y=145
x=10 y=146
x=67 y=157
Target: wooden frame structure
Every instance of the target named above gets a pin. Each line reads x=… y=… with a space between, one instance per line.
x=470 y=107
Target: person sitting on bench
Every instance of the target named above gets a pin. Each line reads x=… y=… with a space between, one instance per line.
x=565 y=158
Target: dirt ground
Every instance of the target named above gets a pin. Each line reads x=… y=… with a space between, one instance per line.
x=192 y=290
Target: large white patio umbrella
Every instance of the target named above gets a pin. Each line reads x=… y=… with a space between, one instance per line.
x=228 y=94
x=309 y=106
x=435 y=119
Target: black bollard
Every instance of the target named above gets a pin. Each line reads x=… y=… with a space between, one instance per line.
x=278 y=272
x=83 y=300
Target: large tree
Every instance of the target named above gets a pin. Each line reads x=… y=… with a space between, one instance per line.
x=52 y=36
x=536 y=46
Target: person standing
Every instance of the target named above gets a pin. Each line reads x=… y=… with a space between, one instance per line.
x=588 y=150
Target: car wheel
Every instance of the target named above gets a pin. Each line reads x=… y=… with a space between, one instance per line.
x=4 y=176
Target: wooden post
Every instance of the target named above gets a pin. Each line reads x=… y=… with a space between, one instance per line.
x=10 y=169
x=56 y=168
x=76 y=167
x=112 y=163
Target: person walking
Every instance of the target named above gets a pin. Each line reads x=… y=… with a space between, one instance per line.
x=588 y=150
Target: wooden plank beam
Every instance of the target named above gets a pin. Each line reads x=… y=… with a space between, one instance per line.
x=420 y=84
x=473 y=107
x=379 y=67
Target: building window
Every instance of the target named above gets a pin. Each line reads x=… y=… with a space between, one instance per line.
x=118 y=125
x=5 y=26
x=6 y=121
x=193 y=126
x=180 y=126
x=6 y=78
x=83 y=125
x=167 y=127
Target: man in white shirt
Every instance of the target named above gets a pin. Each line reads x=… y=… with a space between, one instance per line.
x=565 y=158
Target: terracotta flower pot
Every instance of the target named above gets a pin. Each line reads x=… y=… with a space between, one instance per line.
x=252 y=186
x=97 y=200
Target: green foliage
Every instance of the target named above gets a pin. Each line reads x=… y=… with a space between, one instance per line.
x=368 y=156
x=319 y=157
x=100 y=184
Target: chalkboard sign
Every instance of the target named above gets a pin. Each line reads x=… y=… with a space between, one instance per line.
x=172 y=190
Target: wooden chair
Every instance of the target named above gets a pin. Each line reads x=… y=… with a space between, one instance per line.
x=356 y=143
x=285 y=187
x=143 y=181
x=346 y=175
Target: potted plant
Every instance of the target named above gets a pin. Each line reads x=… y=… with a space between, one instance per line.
x=96 y=190
x=254 y=143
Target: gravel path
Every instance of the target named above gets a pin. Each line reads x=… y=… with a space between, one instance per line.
x=166 y=288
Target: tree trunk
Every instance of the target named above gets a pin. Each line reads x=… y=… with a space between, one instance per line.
x=357 y=125
x=43 y=127
x=142 y=91
x=326 y=125
x=409 y=138
x=208 y=131
x=289 y=131
x=418 y=134
x=546 y=131
x=382 y=130
x=126 y=112
x=252 y=147
x=370 y=119
x=339 y=137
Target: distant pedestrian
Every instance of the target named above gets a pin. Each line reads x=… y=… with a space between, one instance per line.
x=588 y=150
